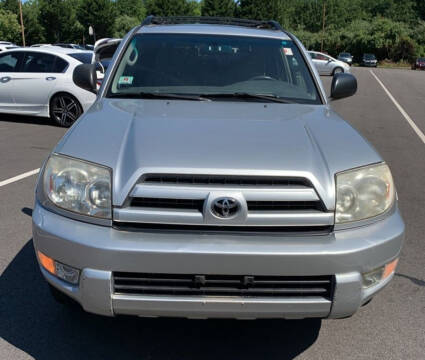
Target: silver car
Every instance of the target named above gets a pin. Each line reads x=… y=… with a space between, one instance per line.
x=211 y=178
x=327 y=65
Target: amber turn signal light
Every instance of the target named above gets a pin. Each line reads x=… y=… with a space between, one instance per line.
x=47 y=263
x=390 y=268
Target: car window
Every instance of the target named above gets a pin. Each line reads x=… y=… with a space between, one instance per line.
x=321 y=57
x=60 y=65
x=9 y=62
x=35 y=62
x=313 y=55
x=212 y=64
x=83 y=57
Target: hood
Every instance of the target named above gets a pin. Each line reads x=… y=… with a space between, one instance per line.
x=135 y=137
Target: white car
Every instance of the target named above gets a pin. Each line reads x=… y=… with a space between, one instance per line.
x=327 y=65
x=38 y=82
x=4 y=45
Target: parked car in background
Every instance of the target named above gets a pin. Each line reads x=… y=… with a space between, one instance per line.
x=327 y=65
x=39 y=45
x=70 y=46
x=419 y=64
x=346 y=57
x=38 y=82
x=6 y=45
x=369 y=60
x=211 y=178
x=104 y=50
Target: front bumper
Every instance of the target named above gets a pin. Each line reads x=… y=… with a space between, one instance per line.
x=98 y=251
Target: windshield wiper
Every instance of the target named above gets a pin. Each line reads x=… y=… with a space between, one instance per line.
x=155 y=95
x=243 y=95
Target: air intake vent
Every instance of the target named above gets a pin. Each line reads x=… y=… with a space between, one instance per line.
x=159 y=203
x=285 y=206
x=218 y=180
x=223 y=285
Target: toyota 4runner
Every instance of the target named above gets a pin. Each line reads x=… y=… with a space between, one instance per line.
x=211 y=178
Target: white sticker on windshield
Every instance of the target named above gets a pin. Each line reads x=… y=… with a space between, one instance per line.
x=126 y=80
x=288 y=51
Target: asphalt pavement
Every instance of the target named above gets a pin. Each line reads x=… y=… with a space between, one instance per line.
x=392 y=326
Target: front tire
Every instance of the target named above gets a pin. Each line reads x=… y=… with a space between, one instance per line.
x=65 y=109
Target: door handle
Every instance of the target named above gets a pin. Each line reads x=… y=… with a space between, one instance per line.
x=5 y=79
x=50 y=78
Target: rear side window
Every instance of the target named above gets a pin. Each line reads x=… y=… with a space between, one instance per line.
x=38 y=63
x=9 y=62
x=83 y=57
x=60 y=65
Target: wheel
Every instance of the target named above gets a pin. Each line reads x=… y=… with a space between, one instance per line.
x=338 y=70
x=65 y=109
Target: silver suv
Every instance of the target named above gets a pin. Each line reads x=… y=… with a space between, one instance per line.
x=211 y=178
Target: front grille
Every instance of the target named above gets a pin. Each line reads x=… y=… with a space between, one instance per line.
x=285 y=205
x=218 y=180
x=159 y=203
x=223 y=285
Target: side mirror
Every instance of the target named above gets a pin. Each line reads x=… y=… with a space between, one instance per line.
x=85 y=77
x=343 y=85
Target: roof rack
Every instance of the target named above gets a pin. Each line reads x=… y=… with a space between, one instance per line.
x=211 y=20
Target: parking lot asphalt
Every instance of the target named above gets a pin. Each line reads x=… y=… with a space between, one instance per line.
x=392 y=326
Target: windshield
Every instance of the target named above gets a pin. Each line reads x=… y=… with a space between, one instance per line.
x=345 y=54
x=187 y=64
x=369 y=57
x=84 y=57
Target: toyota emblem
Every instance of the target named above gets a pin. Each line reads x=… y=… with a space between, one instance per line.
x=225 y=207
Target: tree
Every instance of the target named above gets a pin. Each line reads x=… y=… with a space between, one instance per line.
x=59 y=20
x=34 y=31
x=10 y=5
x=123 y=24
x=9 y=26
x=171 y=7
x=218 y=8
x=131 y=8
x=260 y=9
x=98 y=13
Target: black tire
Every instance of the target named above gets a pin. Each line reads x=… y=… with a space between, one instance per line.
x=65 y=109
x=337 y=70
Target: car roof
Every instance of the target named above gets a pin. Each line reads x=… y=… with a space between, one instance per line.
x=208 y=29
x=52 y=50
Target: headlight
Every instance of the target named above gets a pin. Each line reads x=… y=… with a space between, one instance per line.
x=363 y=193
x=78 y=186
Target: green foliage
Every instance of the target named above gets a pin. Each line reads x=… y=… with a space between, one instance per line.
x=392 y=29
x=123 y=24
x=59 y=21
x=100 y=14
x=131 y=8
x=172 y=7
x=34 y=31
x=10 y=5
x=9 y=26
x=218 y=8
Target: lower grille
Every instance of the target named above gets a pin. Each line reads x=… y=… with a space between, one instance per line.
x=223 y=285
